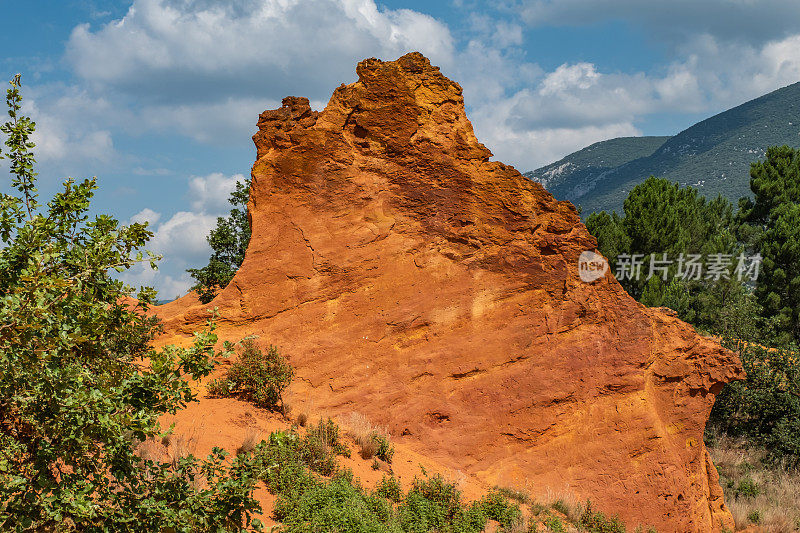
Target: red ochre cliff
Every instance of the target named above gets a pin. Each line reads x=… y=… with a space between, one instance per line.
x=411 y=279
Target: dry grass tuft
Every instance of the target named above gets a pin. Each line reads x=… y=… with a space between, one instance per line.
x=565 y=502
x=251 y=439
x=181 y=446
x=302 y=420
x=363 y=431
x=150 y=450
x=755 y=491
x=367 y=448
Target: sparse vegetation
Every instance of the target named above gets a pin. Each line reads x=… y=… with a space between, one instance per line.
x=338 y=502
x=256 y=376
x=554 y=525
x=752 y=482
x=515 y=495
x=597 y=522
x=390 y=489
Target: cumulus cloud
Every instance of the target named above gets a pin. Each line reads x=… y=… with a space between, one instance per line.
x=206 y=69
x=70 y=128
x=558 y=111
x=146 y=215
x=181 y=238
x=210 y=193
x=194 y=50
x=229 y=120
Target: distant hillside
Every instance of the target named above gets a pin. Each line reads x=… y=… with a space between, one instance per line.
x=713 y=155
x=594 y=160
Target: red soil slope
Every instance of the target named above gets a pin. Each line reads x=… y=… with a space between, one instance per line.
x=414 y=281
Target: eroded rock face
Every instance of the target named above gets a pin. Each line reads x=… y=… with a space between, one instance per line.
x=414 y=281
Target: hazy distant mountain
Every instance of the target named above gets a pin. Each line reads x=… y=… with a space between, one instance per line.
x=713 y=155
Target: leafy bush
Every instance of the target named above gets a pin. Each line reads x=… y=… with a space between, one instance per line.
x=497 y=508
x=385 y=449
x=597 y=522
x=256 y=376
x=74 y=393
x=747 y=488
x=320 y=447
x=766 y=407
x=377 y=445
x=555 y=525
x=390 y=489
x=335 y=506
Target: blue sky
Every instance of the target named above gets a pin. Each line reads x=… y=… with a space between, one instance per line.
x=159 y=98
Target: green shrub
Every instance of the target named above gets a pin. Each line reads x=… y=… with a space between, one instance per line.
x=308 y=503
x=561 y=506
x=597 y=522
x=256 y=376
x=390 y=489
x=754 y=516
x=321 y=445
x=334 y=506
x=433 y=504
x=385 y=449
x=219 y=388
x=497 y=508
x=765 y=408
x=555 y=525
x=286 y=458
x=747 y=488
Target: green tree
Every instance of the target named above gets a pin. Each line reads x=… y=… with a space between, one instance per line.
x=772 y=221
x=663 y=218
x=228 y=240
x=80 y=385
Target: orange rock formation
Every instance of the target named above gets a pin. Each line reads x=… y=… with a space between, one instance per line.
x=415 y=281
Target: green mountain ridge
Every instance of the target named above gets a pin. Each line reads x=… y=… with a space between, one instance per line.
x=713 y=155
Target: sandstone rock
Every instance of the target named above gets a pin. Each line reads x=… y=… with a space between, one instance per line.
x=413 y=280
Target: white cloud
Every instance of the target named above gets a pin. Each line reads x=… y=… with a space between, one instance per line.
x=232 y=120
x=566 y=77
x=70 y=128
x=181 y=239
x=575 y=104
x=206 y=69
x=146 y=215
x=210 y=193
x=198 y=50
x=183 y=236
